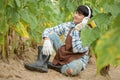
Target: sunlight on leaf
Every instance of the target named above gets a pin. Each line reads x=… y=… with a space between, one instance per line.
x=107 y=49
x=20 y=28
x=88 y=35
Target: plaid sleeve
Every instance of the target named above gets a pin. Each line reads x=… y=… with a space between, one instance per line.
x=77 y=43
x=59 y=29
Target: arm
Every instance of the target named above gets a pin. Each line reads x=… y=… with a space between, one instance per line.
x=77 y=43
x=47 y=46
x=60 y=29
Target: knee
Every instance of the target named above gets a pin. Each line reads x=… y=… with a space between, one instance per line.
x=71 y=72
x=73 y=68
x=52 y=35
x=68 y=71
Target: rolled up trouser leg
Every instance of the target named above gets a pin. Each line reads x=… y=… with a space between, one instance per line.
x=73 y=68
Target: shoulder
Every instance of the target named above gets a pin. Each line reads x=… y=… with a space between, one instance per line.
x=69 y=24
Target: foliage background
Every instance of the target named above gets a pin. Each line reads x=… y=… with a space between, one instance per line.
x=23 y=21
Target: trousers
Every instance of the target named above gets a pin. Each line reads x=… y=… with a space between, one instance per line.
x=74 y=66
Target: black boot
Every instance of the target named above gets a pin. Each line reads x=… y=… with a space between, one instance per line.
x=54 y=67
x=41 y=63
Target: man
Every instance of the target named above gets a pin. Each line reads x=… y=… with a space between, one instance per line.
x=71 y=57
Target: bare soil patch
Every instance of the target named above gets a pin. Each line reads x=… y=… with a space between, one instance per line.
x=14 y=70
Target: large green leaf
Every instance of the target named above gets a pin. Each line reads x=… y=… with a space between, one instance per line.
x=102 y=19
x=102 y=2
x=116 y=21
x=28 y=18
x=21 y=30
x=89 y=35
x=18 y=3
x=33 y=7
x=12 y=15
x=113 y=8
x=24 y=14
x=108 y=49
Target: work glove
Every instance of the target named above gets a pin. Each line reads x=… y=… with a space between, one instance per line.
x=82 y=24
x=47 y=47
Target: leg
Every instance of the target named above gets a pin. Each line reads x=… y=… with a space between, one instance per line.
x=73 y=68
x=55 y=40
x=42 y=60
x=41 y=63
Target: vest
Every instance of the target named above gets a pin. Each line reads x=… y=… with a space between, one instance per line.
x=64 y=54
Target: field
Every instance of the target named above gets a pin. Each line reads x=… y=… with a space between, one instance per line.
x=14 y=70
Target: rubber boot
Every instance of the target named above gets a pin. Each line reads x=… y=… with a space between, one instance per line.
x=41 y=64
x=54 y=67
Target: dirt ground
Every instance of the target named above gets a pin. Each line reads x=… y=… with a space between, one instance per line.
x=14 y=70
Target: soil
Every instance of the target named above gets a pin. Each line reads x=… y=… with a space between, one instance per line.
x=14 y=70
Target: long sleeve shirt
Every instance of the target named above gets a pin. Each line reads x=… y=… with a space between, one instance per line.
x=63 y=29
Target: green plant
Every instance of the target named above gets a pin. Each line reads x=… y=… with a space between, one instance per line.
x=23 y=21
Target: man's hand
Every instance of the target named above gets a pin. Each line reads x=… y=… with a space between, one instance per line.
x=82 y=24
x=47 y=47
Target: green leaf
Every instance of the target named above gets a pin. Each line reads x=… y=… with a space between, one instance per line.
x=1 y=4
x=24 y=15
x=33 y=7
x=113 y=8
x=29 y=18
x=12 y=14
x=18 y=3
x=35 y=36
x=33 y=22
x=22 y=30
x=102 y=19
x=4 y=27
x=88 y=35
x=116 y=21
x=108 y=49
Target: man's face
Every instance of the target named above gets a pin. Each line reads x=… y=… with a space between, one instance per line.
x=78 y=17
